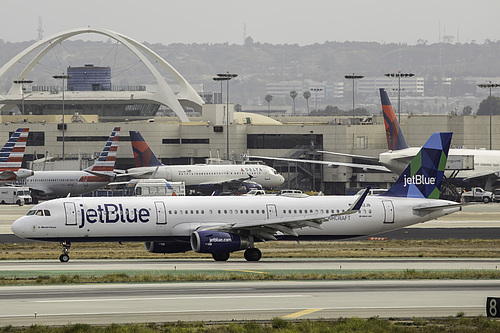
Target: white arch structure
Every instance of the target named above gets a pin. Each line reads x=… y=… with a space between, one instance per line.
x=164 y=94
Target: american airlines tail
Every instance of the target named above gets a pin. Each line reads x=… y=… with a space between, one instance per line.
x=422 y=178
x=395 y=137
x=12 y=153
x=143 y=155
x=106 y=162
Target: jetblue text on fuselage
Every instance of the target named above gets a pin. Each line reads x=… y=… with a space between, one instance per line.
x=111 y=213
x=419 y=180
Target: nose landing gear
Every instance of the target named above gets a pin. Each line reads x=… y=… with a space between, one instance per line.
x=64 y=257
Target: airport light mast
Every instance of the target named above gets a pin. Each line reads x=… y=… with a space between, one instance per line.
x=62 y=77
x=399 y=75
x=490 y=86
x=353 y=77
x=316 y=97
x=226 y=77
x=22 y=82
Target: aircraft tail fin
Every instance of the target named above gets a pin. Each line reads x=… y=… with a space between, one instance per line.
x=143 y=155
x=422 y=178
x=106 y=162
x=12 y=153
x=395 y=137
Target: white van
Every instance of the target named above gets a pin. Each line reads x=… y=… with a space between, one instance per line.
x=154 y=187
x=18 y=195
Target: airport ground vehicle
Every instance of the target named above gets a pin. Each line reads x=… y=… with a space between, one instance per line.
x=477 y=194
x=18 y=195
x=154 y=187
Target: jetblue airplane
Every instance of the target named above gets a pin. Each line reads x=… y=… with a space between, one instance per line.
x=200 y=175
x=222 y=225
x=50 y=184
x=11 y=157
x=486 y=162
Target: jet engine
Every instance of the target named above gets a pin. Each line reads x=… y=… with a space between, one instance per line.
x=23 y=173
x=167 y=247
x=218 y=241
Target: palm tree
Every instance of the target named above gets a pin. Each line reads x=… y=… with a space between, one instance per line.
x=269 y=98
x=293 y=94
x=307 y=95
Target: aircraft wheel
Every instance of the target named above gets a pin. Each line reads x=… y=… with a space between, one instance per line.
x=64 y=257
x=253 y=254
x=220 y=256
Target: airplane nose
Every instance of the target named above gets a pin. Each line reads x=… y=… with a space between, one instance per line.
x=17 y=227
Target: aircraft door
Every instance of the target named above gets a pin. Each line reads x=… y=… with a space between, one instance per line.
x=161 y=216
x=272 y=212
x=70 y=212
x=267 y=174
x=388 y=211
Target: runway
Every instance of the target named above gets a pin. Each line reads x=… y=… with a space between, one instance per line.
x=226 y=301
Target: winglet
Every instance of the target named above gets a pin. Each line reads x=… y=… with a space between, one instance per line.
x=143 y=155
x=422 y=178
x=356 y=206
x=106 y=162
x=395 y=137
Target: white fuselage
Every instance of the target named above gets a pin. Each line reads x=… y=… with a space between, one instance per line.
x=158 y=218
x=205 y=174
x=62 y=183
x=485 y=161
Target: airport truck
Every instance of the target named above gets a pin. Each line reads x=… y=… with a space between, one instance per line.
x=477 y=194
x=154 y=187
x=18 y=195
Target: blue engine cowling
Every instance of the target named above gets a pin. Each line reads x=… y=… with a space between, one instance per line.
x=167 y=247
x=217 y=241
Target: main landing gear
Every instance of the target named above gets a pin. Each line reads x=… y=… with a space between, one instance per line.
x=252 y=254
x=64 y=257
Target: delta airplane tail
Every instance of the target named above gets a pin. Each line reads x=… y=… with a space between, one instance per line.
x=395 y=137
x=143 y=155
x=422 y=178
x=106 y=162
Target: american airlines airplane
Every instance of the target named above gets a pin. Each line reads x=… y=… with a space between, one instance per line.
x=11 y=157
x=222 y=225
x=52 y=184
x=200 y=175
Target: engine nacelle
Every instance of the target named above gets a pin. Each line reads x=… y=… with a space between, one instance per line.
x=252 y=185
x=23 y=173
x=167 y=247
x=217 y=241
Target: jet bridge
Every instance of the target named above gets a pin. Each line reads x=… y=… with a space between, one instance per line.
x=455 y=164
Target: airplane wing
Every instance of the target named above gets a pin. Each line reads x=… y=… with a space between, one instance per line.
x=7 y=175
x=328 y=163
x=232 y=181
x=266 y=230
x=370 y=158
x=436 y=206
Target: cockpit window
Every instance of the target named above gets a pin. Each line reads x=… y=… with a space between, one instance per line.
x=39 y=212
x=46 y=212
x=31 y=212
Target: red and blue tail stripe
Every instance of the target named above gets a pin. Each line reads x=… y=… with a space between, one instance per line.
x=143 y=155
x=12 y=153
x=395 y=137
x=106 y=162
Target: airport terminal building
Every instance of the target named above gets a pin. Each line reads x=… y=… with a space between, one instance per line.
x=81 y=115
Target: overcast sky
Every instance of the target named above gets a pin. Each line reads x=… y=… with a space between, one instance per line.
x=266 y=21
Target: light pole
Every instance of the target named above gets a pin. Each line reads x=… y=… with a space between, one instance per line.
x=22 y=82
x=63 y=77
x=353 y=77
x=220 y=79
x=399 y=75
x=226 y=77
x=490 y=86
x=316 y=97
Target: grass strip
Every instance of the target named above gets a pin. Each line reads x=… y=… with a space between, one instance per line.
x=408 y=274
x=460 y=323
